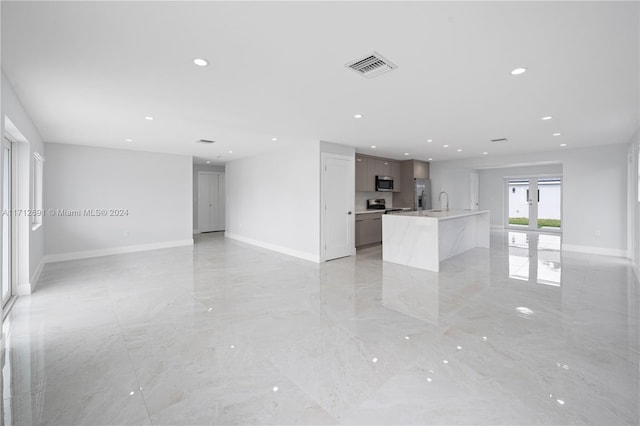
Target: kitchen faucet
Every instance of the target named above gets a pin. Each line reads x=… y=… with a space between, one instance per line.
x=440 y=199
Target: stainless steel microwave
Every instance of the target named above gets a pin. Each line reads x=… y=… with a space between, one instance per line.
x=384 y=183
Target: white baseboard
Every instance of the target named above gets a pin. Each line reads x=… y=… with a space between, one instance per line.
x=594 y=250
x=274 y=247
x=24 y=289
x=114 y=250
x=36 y=274
x=196 y=231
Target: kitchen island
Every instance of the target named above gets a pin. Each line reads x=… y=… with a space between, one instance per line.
x=424 y=238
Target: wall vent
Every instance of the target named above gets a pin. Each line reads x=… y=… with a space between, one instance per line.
x=371 y=65
x=205 y=141
x=500 y=140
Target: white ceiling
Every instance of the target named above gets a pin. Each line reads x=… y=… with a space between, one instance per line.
x=89 y=72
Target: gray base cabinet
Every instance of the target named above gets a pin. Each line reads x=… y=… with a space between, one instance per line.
x=368 y=229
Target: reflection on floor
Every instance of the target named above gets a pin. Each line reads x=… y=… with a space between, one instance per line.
x=535 y=257
x=227 y=333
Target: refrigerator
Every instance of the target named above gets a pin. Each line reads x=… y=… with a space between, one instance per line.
x=421 y=194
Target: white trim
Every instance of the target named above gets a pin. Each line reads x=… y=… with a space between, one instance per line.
x=501 y=227
x=199 y=175
x=21 y=193
x=7 y=309
x=323 y=226
x=268 y=246
x=115 y=250
x=594 y=250
x=36 y=275
x=24 y=289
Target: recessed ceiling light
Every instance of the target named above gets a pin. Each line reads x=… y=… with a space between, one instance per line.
x=548 y=117
x=518 y=71
x=445 y=146
x=429 y=140
x=201 y=62
x=485 y=153
x=430 y=159
x=373 y=146
x=459 y=150
x=274 y=139
x=148 y=117
x=563 y=144
x=406 y=153
x=357 y=116
x=230 y=152
x=128 y=140
x=556 y=134
x=208 y=162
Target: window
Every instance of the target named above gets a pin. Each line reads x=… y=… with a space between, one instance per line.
x=36 y=201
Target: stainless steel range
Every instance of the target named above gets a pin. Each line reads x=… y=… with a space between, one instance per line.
x=376 y=204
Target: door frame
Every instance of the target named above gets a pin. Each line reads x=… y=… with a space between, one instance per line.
x=8 y=142
x=350 y=186
x=201 y=173
x=533 y=218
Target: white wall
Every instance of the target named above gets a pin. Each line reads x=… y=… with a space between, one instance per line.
x=273 y=200
x=29 y=142
x=491 y=190
x=201 y=168
x=453 y=178
x=595 y=192
x=156 y=189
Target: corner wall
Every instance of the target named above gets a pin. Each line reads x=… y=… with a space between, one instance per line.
x=154 y=189
x=273 y=200
x=594 y=192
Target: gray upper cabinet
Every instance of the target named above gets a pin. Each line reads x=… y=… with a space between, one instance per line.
x=420 y=169
x=363 y=183
x=379 y=167
x=396 y=173
x=367 y=168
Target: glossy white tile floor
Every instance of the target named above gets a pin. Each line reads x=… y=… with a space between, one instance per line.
x=226 y=333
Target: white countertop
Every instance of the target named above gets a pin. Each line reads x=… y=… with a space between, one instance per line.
x=382 y=211
x=441 y=214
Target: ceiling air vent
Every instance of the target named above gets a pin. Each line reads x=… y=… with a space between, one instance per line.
x=371 y=65
x=500 y=140
x=205 y=141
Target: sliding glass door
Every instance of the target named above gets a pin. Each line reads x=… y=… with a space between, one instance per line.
x=534 y=203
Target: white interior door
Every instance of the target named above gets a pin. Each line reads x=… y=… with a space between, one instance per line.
x=6 y=247
x=210 y=202
x=338 y=199
x=474 y=203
